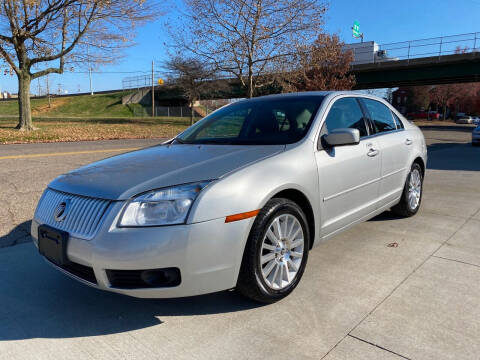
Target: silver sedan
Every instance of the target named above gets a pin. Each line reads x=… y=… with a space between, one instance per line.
x=235 y=201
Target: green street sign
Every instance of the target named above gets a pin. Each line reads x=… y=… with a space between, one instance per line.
x=356 y=30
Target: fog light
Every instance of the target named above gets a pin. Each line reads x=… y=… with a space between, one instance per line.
x=161 y=277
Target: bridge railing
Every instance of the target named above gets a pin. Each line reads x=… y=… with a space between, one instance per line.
x=416 y=49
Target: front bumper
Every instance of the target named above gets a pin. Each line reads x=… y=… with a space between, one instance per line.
x=208 y=255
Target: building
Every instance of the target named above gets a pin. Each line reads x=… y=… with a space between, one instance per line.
x=400 y=99
x=367 y=52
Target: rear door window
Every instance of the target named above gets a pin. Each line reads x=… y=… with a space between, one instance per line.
x=380 y=115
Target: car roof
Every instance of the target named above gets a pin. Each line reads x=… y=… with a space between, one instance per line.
x=305 y=94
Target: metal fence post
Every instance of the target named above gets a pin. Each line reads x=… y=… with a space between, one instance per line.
x=168 y=111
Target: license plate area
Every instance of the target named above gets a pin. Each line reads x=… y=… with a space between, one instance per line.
x=52 y=243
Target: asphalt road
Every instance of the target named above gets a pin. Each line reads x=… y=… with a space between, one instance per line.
x=359 y=298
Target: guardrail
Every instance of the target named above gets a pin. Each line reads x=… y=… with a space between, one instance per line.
x=415 y=49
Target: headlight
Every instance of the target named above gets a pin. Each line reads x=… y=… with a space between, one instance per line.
x=166 y=206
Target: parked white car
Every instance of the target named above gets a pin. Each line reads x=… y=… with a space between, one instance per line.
x=465 y=120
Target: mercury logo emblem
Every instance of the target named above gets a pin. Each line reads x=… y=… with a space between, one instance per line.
x=61 y=210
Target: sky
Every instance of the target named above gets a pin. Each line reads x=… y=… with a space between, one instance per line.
x=383 y=21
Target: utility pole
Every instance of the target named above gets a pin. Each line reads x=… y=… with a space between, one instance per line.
x=48 y=93
x=153 y=90
x=89 y=69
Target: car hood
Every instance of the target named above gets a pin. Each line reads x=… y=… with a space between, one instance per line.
x=123 y=176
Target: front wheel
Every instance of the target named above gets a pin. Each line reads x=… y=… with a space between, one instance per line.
x=412 y=193
x=276 y=252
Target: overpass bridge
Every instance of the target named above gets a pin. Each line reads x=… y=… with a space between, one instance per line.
x=447 y=59
x=441 y=60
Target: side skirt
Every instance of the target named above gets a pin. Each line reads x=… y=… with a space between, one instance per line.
x=362 y=219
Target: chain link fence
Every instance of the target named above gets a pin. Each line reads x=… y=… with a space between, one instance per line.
x=172 y=111
x=163 y=111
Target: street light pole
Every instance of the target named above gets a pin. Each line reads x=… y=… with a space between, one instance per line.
x=153 y=90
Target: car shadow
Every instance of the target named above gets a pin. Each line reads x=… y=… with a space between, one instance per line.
x=37 y=301
x=453 y=156
x=386 y=216
x=18 y=235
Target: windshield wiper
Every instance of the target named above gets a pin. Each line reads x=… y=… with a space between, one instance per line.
x=179 y=141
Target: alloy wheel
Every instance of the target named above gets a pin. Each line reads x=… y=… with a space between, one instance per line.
x=414 y=189
x=282 y=251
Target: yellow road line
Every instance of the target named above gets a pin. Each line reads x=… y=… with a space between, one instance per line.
x=29 y=156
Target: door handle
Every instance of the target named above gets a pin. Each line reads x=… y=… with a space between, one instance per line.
x=408 y=142
x=372 y=152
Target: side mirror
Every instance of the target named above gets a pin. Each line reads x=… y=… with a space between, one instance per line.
x=340 y=137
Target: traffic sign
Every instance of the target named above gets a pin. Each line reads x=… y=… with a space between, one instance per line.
x=356 y=30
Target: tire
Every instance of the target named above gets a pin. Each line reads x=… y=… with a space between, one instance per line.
x=408 y=207
x=254 y=280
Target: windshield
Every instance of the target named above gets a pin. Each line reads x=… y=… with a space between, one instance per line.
x=256 y=122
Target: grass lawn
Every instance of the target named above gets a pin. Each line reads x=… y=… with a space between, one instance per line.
x=76 y=129
x=102 y=105
x=85 y=117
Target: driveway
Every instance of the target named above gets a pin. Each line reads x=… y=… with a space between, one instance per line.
x=387 y=289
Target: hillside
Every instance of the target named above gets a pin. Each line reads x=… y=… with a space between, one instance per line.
x=102 y=105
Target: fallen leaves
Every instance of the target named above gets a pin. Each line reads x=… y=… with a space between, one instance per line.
x=95 y=129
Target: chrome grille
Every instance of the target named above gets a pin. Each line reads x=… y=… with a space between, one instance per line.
x=83 y=218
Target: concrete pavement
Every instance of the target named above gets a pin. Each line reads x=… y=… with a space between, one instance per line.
x=359 y=298
x=23 y=177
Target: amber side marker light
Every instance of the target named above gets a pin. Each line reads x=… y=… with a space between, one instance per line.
x=241 y=216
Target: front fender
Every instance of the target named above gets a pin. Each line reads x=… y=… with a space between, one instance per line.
x=251 y=187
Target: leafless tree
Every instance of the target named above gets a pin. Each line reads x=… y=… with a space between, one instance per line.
x=40 y=37
x=193 y=76
x=443 y=95
x=247 y=39
x=324 y=65
x=419 y=97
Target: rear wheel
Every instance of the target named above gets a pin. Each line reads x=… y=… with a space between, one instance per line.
x=412 y=193
x=276 y=252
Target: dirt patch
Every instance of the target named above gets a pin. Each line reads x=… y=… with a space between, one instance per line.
x=45 y=109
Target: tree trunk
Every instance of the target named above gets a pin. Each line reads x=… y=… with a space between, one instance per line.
x=250 y=81
x=191 y=113
x=24 y=109
x=444 y=112
x=250 y=87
